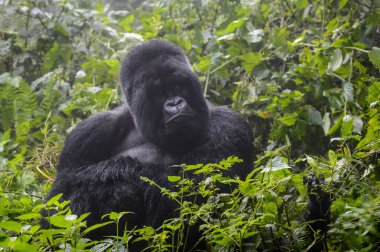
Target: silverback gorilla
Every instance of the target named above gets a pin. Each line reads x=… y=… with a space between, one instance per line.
x=166 y=121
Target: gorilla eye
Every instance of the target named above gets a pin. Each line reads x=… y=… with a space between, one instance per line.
x=158 y=94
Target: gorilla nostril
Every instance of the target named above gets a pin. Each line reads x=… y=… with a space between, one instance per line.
x=174 y=104
x=176 y=101
x=180 y=103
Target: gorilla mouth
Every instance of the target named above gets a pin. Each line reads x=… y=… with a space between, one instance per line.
x=175 y=118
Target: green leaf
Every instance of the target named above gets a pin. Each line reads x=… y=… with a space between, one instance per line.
x=347 y=125
x=54 y=200
x=229 y=162
x=3 y=239
x=288 y=120
x=344 y=71
x=51 y=57
x=342 y=4
x=59 y=221
x=315 y=116
x=11 y=226
x=358 y=125
x=348 y=91
x=23 y=246
x=275 y=164
x=278 y=38
x=234 y=25
x=247 y=188
x=113 y=216
x=100 y=7
x=322 y=64
x=193 y=167
x=29 y=216
x=230 y=36
x=332 y=25
x=336 y=61
x=326 y=123
x=204 y=64
x=126 y=23
x=311 y=161
x=255 y=36
x=336 y=125
x=83 y=216
x=374 y=92
x=96 y=226
x=250 y=61
x=374 y=56
x=174 y=178
x=332 y=157
x=285 y=180
x=59 y=28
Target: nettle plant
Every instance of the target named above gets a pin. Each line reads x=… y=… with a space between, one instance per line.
x=258 y=212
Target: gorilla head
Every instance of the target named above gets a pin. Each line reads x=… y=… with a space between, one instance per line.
x=165 y=96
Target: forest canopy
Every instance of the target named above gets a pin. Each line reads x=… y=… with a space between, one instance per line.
x=305 y=73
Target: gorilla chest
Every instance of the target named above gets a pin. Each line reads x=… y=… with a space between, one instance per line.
x=135 y=147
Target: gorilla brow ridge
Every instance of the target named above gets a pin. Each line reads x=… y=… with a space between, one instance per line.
x=140 y=56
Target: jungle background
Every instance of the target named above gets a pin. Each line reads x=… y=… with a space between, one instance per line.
x=306 y=73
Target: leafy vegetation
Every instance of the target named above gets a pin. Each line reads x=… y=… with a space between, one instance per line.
x=305 y=73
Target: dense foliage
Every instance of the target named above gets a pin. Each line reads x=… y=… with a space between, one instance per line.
x=305 y=73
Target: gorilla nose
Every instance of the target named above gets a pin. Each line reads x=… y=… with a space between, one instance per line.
x=174 y=105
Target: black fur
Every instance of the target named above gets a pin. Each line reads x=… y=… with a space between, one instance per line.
x=105 y=155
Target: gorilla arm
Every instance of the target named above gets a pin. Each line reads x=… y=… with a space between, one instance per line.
x=86 y=156
x=91 y=179
x=96 y=138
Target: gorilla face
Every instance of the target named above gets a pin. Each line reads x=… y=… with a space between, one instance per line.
x=165 y=98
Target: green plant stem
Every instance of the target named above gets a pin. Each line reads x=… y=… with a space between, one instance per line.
x=213 y=71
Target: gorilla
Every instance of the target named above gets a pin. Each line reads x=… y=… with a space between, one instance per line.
x=165 y=122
